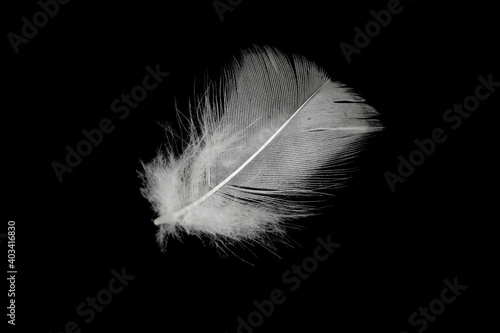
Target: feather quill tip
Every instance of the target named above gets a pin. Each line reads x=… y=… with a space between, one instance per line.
x=164 y=219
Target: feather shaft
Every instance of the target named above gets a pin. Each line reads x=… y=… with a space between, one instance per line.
x=165 y=219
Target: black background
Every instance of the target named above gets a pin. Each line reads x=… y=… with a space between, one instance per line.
x=396 y=248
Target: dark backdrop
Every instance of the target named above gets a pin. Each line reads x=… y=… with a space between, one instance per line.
x=397 y=247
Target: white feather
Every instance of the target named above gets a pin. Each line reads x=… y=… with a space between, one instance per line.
x=275 y=132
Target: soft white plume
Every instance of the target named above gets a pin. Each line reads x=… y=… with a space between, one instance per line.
x=275 y=132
